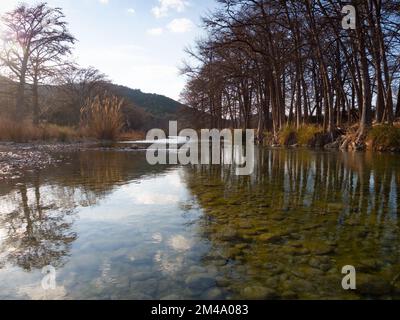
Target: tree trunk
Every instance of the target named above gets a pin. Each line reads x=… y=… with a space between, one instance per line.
x=380 y=102
x=389 y=93
x=366 y=116
x=36 y=112
x=20 y=99
x=398 y=104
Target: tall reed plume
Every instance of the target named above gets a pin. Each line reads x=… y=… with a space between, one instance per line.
x=103 y=117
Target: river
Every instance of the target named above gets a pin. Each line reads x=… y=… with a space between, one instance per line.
x=114 y=227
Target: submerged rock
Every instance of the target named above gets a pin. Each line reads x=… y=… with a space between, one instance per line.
x=228 y=234
x=372 y=285
x=171 y=297
x=213 y=294
x=258 y=293
x=273 y=269
x=196 y=270
x=271 y=238
x=223 y=282
x=321 y=249
x=200 y=281
x=320 y=263
x=290 y=295
x=301 y=252
x=369 y=265
x=295 y=236
x=300 y=285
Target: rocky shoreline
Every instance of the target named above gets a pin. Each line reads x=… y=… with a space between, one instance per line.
x=379 y=138
x=17 y=158
x=339 y=144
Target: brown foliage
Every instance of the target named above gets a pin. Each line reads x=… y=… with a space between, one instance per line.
x=25 y=131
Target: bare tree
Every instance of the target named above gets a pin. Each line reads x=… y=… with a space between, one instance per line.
x=75 y=86
x=33 y=37
x=278 y=63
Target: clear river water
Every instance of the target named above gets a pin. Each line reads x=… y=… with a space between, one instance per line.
x=114 y=227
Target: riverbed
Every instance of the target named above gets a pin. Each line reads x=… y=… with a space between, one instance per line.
x=114 y=227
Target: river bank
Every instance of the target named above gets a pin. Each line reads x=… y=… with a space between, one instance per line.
x=380 y=137
x=17 y=158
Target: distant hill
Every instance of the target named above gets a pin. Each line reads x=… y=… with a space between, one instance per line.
x=155 y=104
x=142 y=110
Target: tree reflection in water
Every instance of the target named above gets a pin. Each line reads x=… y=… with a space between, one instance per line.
x=36 y=236
x=38 y=230
x=284 y=232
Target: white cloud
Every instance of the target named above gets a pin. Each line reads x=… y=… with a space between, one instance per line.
x=155 y=32
x=180 y=25
x=131 y=11
x=152 y=199
x=164 y=6
x=104 y=1
x=8 y=5
x=36 y=292
x=179 y=243
x=157 y=238
x=135 y=67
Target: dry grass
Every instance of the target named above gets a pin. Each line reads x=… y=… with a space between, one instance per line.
x=132 y=136
x=102 y=117
x=306 y=133
x=269 y=138
x=384 y=137
x=289 y=135
x=25 y=131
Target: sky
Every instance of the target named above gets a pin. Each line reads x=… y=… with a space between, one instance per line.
x=136 y=43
